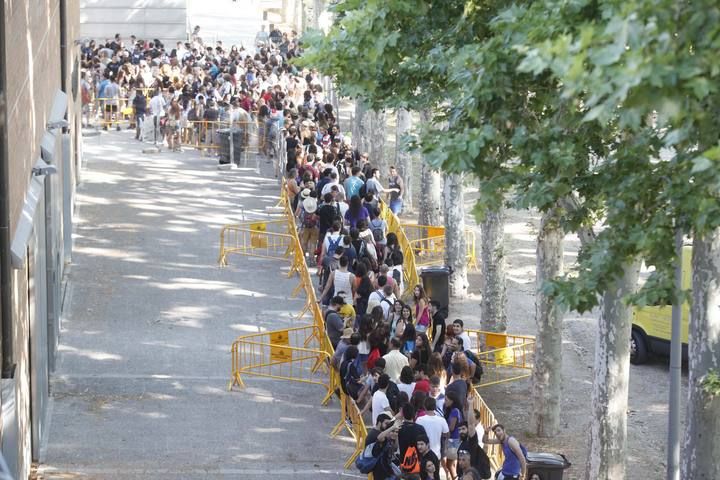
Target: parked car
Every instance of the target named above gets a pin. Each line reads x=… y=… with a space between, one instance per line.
x=652 y=325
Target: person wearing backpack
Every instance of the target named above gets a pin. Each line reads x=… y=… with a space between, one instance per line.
x=514 y=466
x=378 y=227
x=309 y=231
x=330 y=241
x=383 y=440
x=408 y=436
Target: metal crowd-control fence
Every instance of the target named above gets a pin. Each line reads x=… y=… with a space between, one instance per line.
x=487 y=419
x=283 y=355
x=409 y=266
x=352 y=421
x=112 y=112
x=504 y=357
x=260 y=239
x=428 y=244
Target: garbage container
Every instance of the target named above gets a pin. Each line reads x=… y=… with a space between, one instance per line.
x=238 y=135
x=547 y=466
x=435 y=283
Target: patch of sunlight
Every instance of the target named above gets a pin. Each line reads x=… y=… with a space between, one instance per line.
x=207 y=390
x=159 y=396
x=245 y=293
x=160 y=343
x=105 y=252
x=182 y=283
x=91 y=354
x=84 y=198
x=137 y=277
x=291 y=420
x=247 y=328
x=249 y=456
x=269 y=430
x=181 y=229
x=153 y=415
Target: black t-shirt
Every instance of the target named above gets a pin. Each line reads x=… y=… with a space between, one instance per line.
x=438 y=331
x=408 y=435
x=382 y=470
x=478 y=458
x=460 y=387
x=327 y=214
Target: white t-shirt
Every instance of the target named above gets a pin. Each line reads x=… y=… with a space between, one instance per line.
x=434 y=426
x=157 y=106
x=379 y=403
x=407 y=388
x=376 y=298
x=466 y=341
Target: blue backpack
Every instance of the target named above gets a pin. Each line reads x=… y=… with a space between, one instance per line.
x=366 y=461
x=333 y=244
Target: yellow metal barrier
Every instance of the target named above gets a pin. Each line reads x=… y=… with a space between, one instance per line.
x=283 y=355
x=352 y=421
x=504 y=357
x=263 y=239
x=428 y=244
x=409 y=267
x=111 y=112
x=487 y=419
x=203 y=135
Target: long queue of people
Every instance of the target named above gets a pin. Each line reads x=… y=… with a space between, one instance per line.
x=409 y=372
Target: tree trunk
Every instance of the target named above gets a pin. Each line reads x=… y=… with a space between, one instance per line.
x=702 y=430
x=608 y=428
x=318 y=8
x=369 y=130
x=403 y=159
x=492 y=255
x=429 y=196
x=455 y=245
x=547 y=370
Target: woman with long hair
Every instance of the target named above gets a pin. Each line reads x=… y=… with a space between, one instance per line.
x=422 y=309
x=421 y=354
x=394 y=314
x=356 y=212
x=407 y=381
x=407 y=340
x=405 y=320
x=435 y=367
x=453 y=414
x=363 y=288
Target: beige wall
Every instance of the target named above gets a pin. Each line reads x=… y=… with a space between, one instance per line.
x=33 y=59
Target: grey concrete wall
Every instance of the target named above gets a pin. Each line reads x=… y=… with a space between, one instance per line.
x=146 y=19
x=32 y=41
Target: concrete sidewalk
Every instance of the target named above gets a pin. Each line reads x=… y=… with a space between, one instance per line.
x=140 y=391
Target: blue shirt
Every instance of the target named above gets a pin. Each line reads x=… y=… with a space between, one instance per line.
x=511 y=466
x=352 y=186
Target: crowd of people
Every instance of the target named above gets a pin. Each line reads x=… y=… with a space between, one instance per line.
x=409 y=371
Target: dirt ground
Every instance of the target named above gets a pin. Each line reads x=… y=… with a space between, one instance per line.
x=511 y=402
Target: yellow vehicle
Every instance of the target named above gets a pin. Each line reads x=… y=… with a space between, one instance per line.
x=651 y=326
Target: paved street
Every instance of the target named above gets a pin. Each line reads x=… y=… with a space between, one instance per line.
x=140 y=391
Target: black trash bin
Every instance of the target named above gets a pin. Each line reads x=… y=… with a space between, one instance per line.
x=435 y=283
x=224 y=144
x=548 y=466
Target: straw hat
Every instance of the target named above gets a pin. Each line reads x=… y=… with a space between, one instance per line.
x=310 y=205
x=305 y=193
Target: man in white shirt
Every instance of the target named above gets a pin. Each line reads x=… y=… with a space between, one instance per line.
x=458 y=327
x=334 y=182
x=380 y=402
x=157 y=110
x=383 y=297
x=436 y=427
x=394 y=360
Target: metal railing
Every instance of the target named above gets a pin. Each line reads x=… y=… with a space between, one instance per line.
x=410 y=274
x=352 y=421
x=289 y=354
x=428 y=244
x=504 y=357
x=262 y=239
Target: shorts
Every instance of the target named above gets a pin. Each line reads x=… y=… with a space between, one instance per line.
x=451 y=448
x=111 y=108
